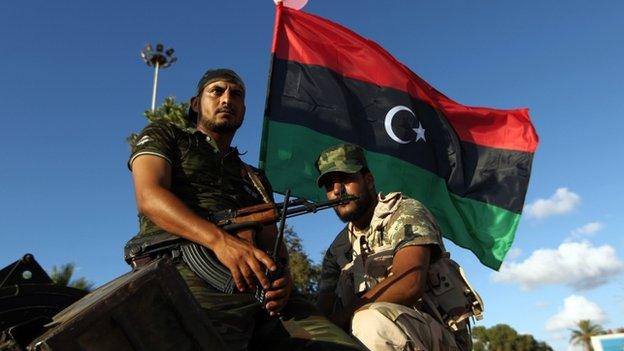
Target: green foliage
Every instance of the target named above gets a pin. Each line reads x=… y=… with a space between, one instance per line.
x=63 y=276
x=502 y=337
x=305 y=273
x=170 y=110
x=582 y=335
x=479 y=337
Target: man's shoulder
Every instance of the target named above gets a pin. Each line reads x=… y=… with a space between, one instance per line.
x=399 y=204
x=165 y=125
x=341 y=242
x=413 y=211
x=409 y=204
x=159 y=137
x=413 y=223
x=161 y=130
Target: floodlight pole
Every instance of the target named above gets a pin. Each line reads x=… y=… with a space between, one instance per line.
x=160 y=58
x=155 y=86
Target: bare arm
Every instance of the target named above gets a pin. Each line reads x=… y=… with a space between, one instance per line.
x=405 y=285
x=152 y=181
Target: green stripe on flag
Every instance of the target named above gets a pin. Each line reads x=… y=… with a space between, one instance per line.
x=288 y=155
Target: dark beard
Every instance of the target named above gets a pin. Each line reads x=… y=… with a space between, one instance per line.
x=362 y=204
x=228 y=126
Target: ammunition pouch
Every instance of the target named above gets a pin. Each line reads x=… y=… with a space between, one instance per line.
x=377 y=265
x=450 y=296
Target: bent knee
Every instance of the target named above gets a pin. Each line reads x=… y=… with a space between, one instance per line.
x=377 y=330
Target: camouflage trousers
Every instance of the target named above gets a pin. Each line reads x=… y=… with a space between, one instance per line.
x=382 y=326
x=244 y=325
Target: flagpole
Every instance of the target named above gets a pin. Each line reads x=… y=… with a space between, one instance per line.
x=265 y=122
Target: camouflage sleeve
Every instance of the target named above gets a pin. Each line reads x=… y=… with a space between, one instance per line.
x=156 y=139
x=413 y=224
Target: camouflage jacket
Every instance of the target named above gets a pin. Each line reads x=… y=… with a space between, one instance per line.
x=358 y=260
x=204 y=178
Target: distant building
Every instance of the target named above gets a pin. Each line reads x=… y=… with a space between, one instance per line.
x=608 y=342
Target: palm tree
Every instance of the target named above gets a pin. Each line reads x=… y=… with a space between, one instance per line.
x=582 y=335
x=63 y=274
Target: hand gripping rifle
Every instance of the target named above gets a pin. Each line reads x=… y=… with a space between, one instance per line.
x=253 y=223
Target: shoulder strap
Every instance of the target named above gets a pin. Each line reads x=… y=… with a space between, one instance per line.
x=255 y=180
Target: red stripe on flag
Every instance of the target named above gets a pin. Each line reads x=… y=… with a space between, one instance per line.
x=313 y=40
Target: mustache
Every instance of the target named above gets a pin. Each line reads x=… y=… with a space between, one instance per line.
x=226 y=109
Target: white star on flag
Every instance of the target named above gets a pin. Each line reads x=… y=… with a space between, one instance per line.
x=420 y=133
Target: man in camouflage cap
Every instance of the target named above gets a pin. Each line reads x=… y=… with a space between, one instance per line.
x=375 y=271
x=183 y=174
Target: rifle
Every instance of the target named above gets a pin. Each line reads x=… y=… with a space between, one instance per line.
x=260 y=293
x=253 y=223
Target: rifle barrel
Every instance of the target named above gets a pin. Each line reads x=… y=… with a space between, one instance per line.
x=302 y=206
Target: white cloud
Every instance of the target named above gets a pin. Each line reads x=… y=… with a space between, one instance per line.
x=513 y=253
x=562 y=201
x=577 y=264
x=575 y=308
x=587 y=229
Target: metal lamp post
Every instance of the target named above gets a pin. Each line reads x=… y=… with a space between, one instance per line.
x=160 y=58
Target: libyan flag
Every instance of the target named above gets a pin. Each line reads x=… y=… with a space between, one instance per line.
x=469 y=165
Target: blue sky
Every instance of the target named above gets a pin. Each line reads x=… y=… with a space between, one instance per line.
x=72 y=87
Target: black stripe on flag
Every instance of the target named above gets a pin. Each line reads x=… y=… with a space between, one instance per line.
x=354 y=111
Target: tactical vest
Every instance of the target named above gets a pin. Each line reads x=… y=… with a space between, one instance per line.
x=449 y=294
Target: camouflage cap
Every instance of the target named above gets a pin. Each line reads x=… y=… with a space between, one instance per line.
x=213 y=75
x=346 y=158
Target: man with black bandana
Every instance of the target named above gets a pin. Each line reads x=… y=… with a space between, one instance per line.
x=183 y=175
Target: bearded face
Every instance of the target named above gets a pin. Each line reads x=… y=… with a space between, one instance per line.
x=220 y=106
x=356 y=184
x=354 y=210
